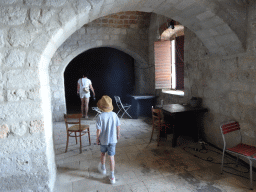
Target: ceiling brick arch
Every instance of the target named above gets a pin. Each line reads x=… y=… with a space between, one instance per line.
x=212 y=27
x=31 y=33
x=122 y=47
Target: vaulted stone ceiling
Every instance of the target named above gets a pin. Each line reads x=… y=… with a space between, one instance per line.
x=31 y=32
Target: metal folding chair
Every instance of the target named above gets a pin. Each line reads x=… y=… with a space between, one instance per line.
x=97 y=110
x=122 y=107
x=241 y=149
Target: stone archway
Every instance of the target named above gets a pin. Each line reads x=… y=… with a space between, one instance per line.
x=194 y=20
x=170 y=34
x=32 y=32
x=59 y=64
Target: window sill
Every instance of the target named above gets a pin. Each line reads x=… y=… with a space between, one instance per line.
x=173 y=92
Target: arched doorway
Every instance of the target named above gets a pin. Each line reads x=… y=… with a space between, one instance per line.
x=42 y=26
x=54 y=35
x=110 y=70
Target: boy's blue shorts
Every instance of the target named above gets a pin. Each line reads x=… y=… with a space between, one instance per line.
x=110 y=148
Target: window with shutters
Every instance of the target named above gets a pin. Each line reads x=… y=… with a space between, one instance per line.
x=169 y=65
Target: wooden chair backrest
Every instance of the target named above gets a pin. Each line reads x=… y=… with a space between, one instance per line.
x=73 y=116
x=156 y=115
x=72 y=119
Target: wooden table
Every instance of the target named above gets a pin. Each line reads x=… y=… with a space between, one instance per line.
x=186 y=120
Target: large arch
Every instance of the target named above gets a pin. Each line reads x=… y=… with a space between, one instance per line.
x=36 y=37
x=191 y=14
x=58 y=68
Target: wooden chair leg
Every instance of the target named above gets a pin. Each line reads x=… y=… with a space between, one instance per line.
x=158 y=137
x=89 y=137
x=76 y=137
x=67 y=143
x=152 y=133
x=80 y=142
x=165 y=133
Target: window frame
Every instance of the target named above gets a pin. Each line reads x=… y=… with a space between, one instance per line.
x=172 y=89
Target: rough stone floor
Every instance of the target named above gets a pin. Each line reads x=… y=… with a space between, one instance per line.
x=142 y=166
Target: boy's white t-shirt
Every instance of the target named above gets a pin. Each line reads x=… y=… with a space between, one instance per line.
x=107 y=122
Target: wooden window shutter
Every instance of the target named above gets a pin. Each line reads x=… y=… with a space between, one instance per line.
x=180 y=63
x=162 y=64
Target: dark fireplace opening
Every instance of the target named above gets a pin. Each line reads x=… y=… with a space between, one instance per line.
x=110 y=70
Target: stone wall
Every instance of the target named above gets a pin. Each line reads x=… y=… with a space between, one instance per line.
x=226 y=84
x=125 y=31
x=30 y=33
x=25 y=159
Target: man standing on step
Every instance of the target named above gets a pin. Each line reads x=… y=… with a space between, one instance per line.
x=108 y=132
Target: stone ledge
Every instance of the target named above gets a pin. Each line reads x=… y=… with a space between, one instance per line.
x=173 y=92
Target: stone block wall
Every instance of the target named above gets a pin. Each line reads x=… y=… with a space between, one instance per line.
x=225 y=83
x=32 y=30
x=126 y=31
x=24 y=164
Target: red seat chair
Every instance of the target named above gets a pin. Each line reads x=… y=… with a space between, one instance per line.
x=240 y=149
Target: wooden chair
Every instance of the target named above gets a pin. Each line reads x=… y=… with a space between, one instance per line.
x=75 y=121
x=158 y=123
x=240 y=149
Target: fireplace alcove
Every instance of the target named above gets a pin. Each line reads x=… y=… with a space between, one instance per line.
x=110 y=70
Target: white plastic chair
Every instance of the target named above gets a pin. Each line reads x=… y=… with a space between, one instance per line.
x=122 y=107
x=97 y=110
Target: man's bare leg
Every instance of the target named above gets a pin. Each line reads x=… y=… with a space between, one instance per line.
x=86 y=106
x=82 y=106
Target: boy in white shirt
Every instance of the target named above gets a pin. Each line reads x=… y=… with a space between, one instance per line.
x=108 y=132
